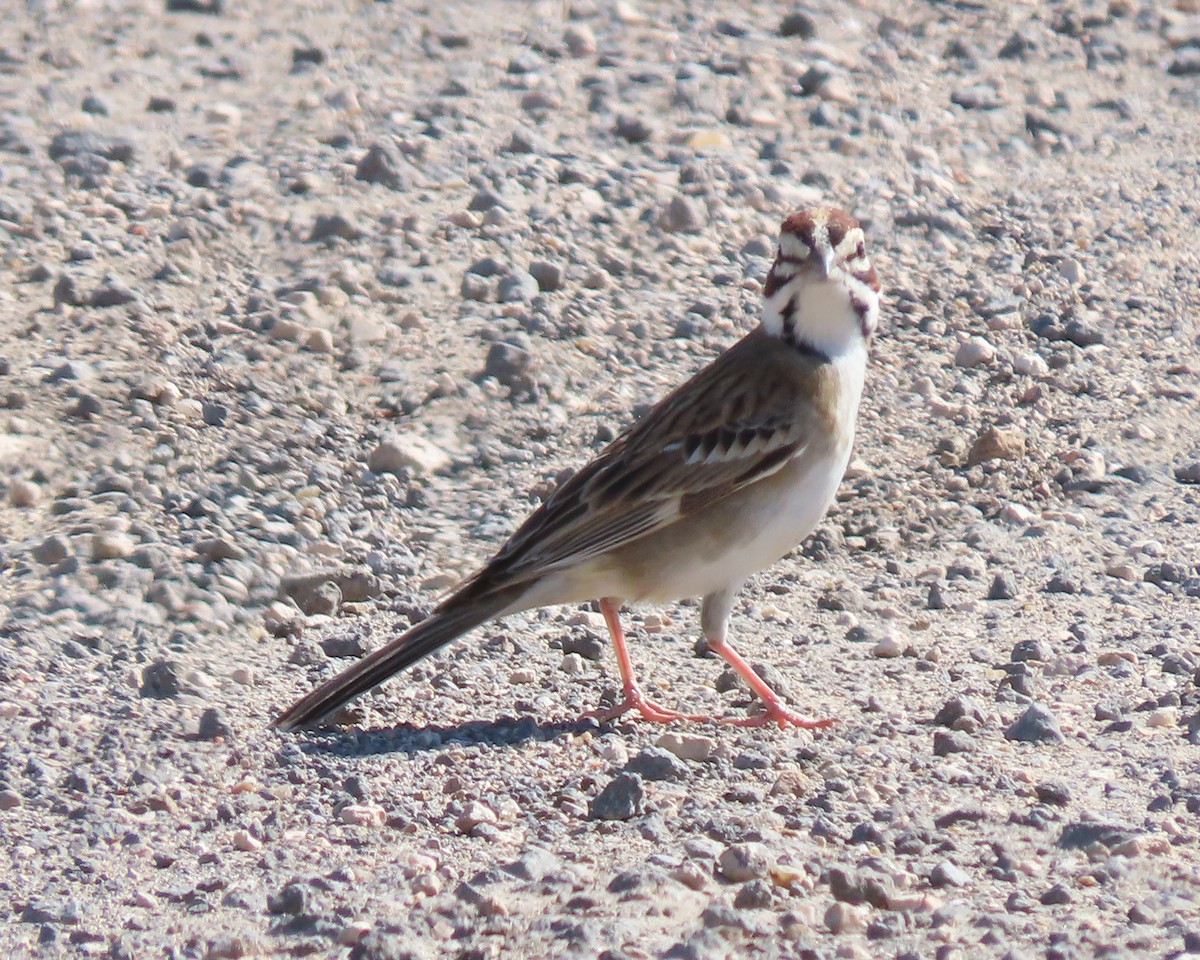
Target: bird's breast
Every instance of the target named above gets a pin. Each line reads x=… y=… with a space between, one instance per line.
x=739 y=536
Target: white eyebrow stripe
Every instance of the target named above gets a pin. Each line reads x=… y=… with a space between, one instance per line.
x=851 y=241
x=794 y=246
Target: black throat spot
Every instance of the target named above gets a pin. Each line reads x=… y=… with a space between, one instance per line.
x=804 y=348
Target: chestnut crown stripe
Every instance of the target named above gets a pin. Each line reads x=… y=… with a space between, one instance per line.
x=809 y=230
x=824 y=232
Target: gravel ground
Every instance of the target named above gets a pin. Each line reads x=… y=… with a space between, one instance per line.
x=302 y=310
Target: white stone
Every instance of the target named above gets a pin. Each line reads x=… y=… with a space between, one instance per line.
x=246 y=841
x=687 y=747
x=225 y=114
x=572 y=665
x=362 y=815
x=1016 y=513
x=475 y=814
x=891 y=644
x=407 y=451
x=1072 y=271
x=1163 y=717
x=319 y=341
x=111 y=545
x=353 y=932
x=24 y=493
x=974 y=352
x=844 y=918
x=1030 y=365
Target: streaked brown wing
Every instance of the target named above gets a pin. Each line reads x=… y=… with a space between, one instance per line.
x=737 y=421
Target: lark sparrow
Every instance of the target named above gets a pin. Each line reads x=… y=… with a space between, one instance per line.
x=720 y=479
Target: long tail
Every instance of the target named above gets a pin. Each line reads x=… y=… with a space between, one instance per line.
x=450 y=620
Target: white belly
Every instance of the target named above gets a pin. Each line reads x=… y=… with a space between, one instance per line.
x=729 y=541
x=755 y=539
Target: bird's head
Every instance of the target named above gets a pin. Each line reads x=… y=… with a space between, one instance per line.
x=822 y=292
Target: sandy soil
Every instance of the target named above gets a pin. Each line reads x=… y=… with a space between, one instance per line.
x=304 y=306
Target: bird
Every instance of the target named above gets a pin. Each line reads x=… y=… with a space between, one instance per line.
x=720 y=479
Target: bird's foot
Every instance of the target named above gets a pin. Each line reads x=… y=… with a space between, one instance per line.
x=778 y=713
x=634 y=699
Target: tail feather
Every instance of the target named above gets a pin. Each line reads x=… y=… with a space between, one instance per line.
x=442 y=626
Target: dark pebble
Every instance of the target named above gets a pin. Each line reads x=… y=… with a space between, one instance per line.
x=754 y=895
x=1004 y=587
x=294 y=899
x=51 y=911
x=1055 y=793
x=382 y=164
x=959 y=713
x=587 y=645
x=1062 y=582
x=946 y=742
x=1026 y=650
x=655 y=763
x=798 y=23
x=73 y=143
x=1081 y=835
x=1057 y=894
x=213 y=725
x=860 y=887
x=212 y=8
x=633 y=129
x=334 y=225
x=161 y=680
x=214 y=414
x=624 y=797
x=1035 y=725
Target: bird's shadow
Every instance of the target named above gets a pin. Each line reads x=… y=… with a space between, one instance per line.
x=411 y=739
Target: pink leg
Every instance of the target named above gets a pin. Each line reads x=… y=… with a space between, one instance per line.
x=776 y=712
x=633 y=698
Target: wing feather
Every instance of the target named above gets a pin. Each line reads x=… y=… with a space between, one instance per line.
x=739 y=420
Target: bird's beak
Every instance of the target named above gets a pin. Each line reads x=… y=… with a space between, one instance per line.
x=825 y=264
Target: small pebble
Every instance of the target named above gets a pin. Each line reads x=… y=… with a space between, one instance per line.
x=845 y=918
x=572 y=665
x=688 y=746
x=974 y=352
x=407 y=451
x=24 y=493
x=948 y=874
x=246 y=841
x=891 y=644
x=684 y=215
x=1004 y=586
x=745 y=861
x=362 y=815
x=1036 y=725
x=1163 y=717
x=1057 y=895
x=475 y=814
x=656 y=763
x=112 y=546
x=624 y=797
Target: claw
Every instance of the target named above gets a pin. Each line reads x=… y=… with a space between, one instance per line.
x=634 y=699
x=776 y=713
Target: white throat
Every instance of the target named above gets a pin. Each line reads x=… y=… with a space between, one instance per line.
x=822 y=314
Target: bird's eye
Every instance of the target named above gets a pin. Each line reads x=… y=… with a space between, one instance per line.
x=860 y=251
